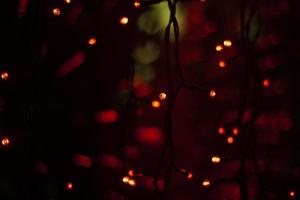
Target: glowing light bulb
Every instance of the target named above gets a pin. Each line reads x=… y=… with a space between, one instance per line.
x=131 y=172
x=137 y=4
x=155 y=104
x=125 y=179
x=222 y=63
x=235 y=131
x=216 y=159
x=292 y=194
x=69 y=186
x=56 y=11
x=189 y=176
x=92 y=41
x=222 y=130
x=4 y=75
x=162 y=96
x=68 y=1
x=5 y=141
x=206 y=183
x=219 y=48
x=123 y=20
x=266 y=83
x=212 y=93
x=230 y=140
x=132 y=182
x=227 y=43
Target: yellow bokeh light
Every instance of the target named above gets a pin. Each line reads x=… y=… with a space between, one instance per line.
x=125 y=179
x=227 y=43
x=219 y=48
x=137 y=4
x=123 y=20
x=206 y=183
x=155 y=104
x=216 y=159
x=132 y=182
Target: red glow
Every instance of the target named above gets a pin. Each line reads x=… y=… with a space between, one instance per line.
x=162 y=96
x=266 y=83
x=131 y=172
x=92 y=41
x=82 y=161
x=132 y=152
x=108 y=116
x=222 y=130
x=235 y=131
x=109 y=161
x=149 y=135
x=22 y=8
x=5 y=141
x=69 y=186
x=143 y=90
x=190 y=175
x=230 y=140
x=222 y=64
x=4 y=76
x=292 y=194
x=212 y=93
x=72 y=64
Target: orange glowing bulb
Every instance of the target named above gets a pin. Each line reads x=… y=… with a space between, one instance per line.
x=216 y=159
x=124 y=20
x=227 y=43
x=162 y=96
x=266 y=83
x=206 y=183
x=125 y=179
x=5 y=141
x=221 y=130
x=4 y=75
x=219 y=48
x=222 y=64
x=230 y=140
x=68 y=1
x=137 y=4
x=212 y=93
x=155 y=104
x=292 y=194
x=56 y=11
x=69 y=186
x=235 y=131
x=92 y=41
x=132 y=182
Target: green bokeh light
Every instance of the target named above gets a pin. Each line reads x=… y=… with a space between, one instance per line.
x=146 y=53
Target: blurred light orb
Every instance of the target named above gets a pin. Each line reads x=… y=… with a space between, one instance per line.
x=155 y=104
x=4 y=75
x=131 y=172
x=230 y=140
x=132 y=182
x=227 y=43
x=92 y=41
x=216 y=159
x=266 y=83
x=292 y=194
x=222 y=130
x=69 y=186
x=235 y=131
x=137 y=4
x=212 y=93
x=56 y=11
x=206 y=183
x=123 y=20
x=219 y=48
x=68 y=1
x=162 y=96
x=5 y=141
x=125 y=179
x=189 y=176
x=222 y=64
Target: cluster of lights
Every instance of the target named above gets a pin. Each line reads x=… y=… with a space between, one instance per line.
x=230 y=139
x=129 y=181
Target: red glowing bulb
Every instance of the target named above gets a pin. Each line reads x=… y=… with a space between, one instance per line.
x=222 y=130
x=235 y=131
x=92 y=41
x=266 y=83
x=222 y=63
x=212 y=93
x=56 y=11
x=4 y=75
x=69 y=186
x=230 y=140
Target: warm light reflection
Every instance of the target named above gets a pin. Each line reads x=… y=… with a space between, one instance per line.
x=266 y=83
x=227 y=43
x=219 y=48
x=4 y=75
x=221 y=130
x=131 y=172
x=216 y=159
x=190 y=175
x=162 y=96
x=235 y=131
x=137 y=4
x=56 y=11
x=92 y=41
x=292 y=194
x=132 y=182
x=125 y=179
x=212 y=93
x=123 y=20
x=222 y=64
x=155 y=104
x=68 y=1
x=69 y=186
x=206 y=183
x=230 y=140
x=5 y=141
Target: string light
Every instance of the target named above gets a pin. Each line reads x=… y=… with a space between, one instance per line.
x=222 y=63
x=5 y=141
x=69 y=186
x=92 y=41
x=212 y=93
x=4 y=75
x=155 y=104
x=292 y=194
x=56 y=11
x=222 y=130
x=230 y=140
x=216 y=159
x=235 y=131
x=132 y=182
x=227 y=43
x=219 y=48
x=137 y=4
x=162 y=96
x=123 y=20
x=67 y=1
x=206 y=183
x=266 y=83
x=125 y=179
